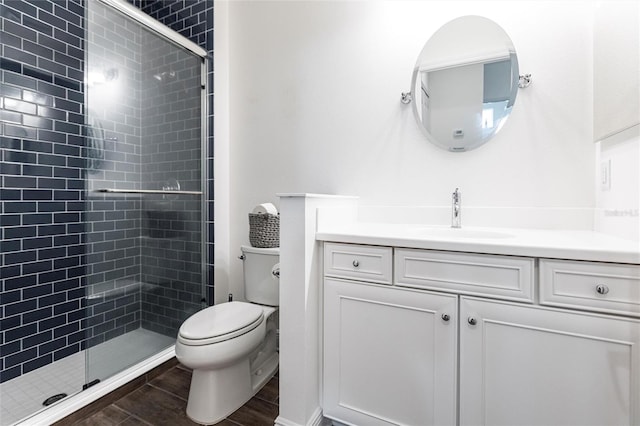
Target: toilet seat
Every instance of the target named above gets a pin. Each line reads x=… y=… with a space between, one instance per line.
x=219 y=323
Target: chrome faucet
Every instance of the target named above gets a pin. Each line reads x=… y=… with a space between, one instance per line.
x=456 y=211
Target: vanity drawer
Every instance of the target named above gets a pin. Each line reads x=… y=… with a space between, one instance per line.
x=604 y=287
x=506 y=277
x=356 y=262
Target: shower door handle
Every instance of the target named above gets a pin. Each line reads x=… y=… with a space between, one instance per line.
x=147 y=191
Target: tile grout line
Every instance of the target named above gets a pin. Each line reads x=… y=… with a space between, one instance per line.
x=129 y=415
x=267 y=401
x=165 y=391
x=133 y=416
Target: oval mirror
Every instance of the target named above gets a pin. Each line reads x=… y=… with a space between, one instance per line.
x=465 y=83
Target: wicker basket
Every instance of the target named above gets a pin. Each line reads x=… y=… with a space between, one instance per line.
x=264 y=230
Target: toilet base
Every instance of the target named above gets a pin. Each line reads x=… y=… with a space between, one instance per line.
x=227 y=374
x=214 y=394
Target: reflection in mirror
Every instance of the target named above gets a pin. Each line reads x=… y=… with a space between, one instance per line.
x=465 y=83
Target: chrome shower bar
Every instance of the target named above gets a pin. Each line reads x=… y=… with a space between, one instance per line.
x=147 y=191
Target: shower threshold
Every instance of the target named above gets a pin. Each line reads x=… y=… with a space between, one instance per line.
x=23 y=396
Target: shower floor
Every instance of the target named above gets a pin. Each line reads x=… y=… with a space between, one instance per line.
x=23 y=396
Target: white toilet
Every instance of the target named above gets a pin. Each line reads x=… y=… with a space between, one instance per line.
x=232 y=347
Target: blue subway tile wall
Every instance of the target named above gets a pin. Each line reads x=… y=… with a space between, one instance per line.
x=73 y=259
x=143 y=94
x=113 y=46
x=194 y=20
x=42 y=181
x=171 y=158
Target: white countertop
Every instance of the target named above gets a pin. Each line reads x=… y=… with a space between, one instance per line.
x=557 y=244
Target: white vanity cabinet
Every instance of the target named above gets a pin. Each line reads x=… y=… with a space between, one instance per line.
x=390 y=354
x=594 y=286
x=529 y=365
x=507 y=277
x=477 y=339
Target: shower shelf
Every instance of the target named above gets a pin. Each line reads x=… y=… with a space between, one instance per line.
x=147 y=191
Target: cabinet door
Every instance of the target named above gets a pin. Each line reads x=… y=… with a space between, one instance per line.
x=389 y=356
x=527 y=365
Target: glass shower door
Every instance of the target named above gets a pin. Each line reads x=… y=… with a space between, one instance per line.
x=144 y=206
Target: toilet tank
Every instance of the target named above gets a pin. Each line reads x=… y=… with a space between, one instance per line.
x=260 y=284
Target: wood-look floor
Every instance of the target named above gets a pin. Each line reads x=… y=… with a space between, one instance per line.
x=163 y=400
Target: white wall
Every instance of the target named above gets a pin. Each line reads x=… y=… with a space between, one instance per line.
x=315 y=107
x=616 y=82
x=618 y=202
x=616 y=66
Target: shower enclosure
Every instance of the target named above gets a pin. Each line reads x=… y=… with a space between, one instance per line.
x=144 y=205
x=142 y=228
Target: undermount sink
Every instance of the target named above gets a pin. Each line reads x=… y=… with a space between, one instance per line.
x=462 y=233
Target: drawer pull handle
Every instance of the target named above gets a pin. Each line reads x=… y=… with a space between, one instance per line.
x=445 y=317
x=602 y=289
x=355 y=263
x=472 y=321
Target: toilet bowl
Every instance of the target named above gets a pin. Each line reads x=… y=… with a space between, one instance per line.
x=232 y=347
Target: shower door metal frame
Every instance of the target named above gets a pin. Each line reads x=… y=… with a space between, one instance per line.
x=148 y=22
x=175 y=38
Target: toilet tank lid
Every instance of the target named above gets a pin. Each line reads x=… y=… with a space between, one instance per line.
x=249 y=249
x=219 y=320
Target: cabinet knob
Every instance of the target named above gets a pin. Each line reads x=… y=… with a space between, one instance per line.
x=356 y=263
x=602 y=289
x=472 y=321
x=445 y=317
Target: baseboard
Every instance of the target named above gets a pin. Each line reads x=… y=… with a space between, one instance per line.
x=315 y=420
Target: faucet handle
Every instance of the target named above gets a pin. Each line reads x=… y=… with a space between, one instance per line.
x=455 y=210
x=456 y=195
